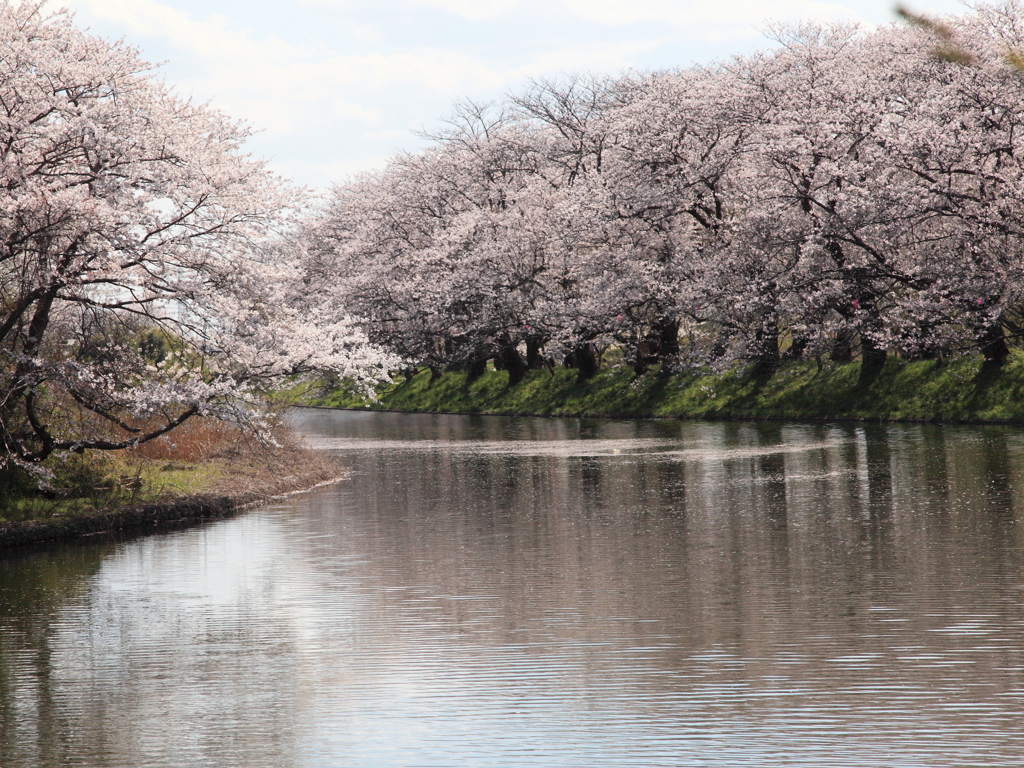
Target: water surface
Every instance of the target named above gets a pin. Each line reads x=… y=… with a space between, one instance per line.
x=489 y=591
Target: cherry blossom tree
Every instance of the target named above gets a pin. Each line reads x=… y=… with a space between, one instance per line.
x=139 y=280
x=867 y=164
x=674 y=168
x=441 y=253
x=965 y=148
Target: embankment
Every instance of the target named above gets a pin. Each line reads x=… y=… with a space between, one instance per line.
x=239 y=485
x=957 y=390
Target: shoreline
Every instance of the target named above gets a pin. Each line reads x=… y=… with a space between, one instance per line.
x=159 y=516
x=683 y=417
x=629 y=398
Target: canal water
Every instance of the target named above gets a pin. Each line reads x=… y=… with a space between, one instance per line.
x=487 y=591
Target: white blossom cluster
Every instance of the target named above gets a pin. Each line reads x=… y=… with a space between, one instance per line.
x=844 y=193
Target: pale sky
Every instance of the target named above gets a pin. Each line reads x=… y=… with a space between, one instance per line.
x=335 y=87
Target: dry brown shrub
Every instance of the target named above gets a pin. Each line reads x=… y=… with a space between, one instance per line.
x=198 y=439
x=249 y=468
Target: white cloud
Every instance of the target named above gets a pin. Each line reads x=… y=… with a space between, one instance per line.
x=333 y=86
x=685 y=13
x=587 y=57
x=211 y=38
x=275 y=85
x=323 y=172
x=474 y=10
x=435 y=69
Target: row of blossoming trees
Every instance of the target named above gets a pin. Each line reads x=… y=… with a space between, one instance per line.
x=844 y=194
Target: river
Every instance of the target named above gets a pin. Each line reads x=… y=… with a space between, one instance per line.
x=489 y=591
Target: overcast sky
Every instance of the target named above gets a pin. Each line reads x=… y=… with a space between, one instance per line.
x=334 y=87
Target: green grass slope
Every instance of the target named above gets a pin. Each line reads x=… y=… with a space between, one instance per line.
x=954 y=390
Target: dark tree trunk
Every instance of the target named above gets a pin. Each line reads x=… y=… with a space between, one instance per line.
x=764 y=365
x=872 y=357
x=585 y=359
x=513 y=363
x=842 y=347
x=666 y=333
x=992 y=341
x=861 y=308
x=641 y=358
x=534 y=358
x=435 y=373
x=661 y=344
x=476 y=369
x=766 y=345
x=872 y=360
x=842 y=350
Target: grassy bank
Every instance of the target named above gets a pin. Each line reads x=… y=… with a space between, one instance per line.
x=963 y=389
x=209 y=471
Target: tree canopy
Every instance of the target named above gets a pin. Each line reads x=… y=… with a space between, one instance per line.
x=845 y=193
x=145 y=275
